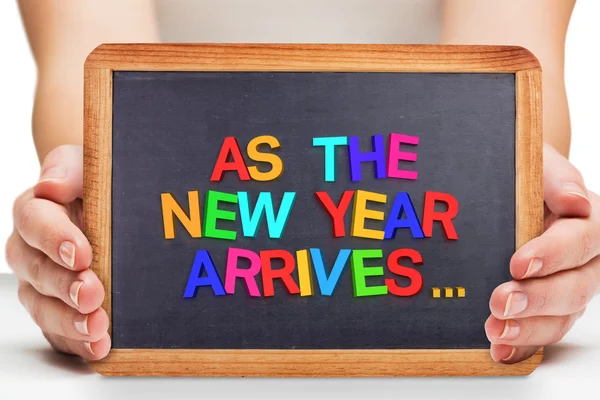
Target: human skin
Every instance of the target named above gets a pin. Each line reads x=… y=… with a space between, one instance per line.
x=555 y=275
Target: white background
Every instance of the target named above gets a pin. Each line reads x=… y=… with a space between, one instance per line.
x=18 y=161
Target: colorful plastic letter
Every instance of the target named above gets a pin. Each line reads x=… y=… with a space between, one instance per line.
x=356 y=157
x=285 y=273
x=361 y=213
x=233 y=272
x=445 y=217
x=402 y=203
x=213 y=213
x=397 y=155
x=460 y=291
x=196 y=279
x=230 y=146
x=327 y=283
x=270 y=158
x=448 y=292
x=416 y=280
x=264 y=206
x=304 y=274
x=360 y=272
x=170 y=207
x=436 y=292
x=329 y=143
x=336 y=212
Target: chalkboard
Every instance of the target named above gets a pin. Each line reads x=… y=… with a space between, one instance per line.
x=462 y=142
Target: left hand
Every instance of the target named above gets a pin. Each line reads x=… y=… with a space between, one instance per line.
x=555 y=275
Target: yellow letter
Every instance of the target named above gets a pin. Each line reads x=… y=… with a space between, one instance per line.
x=170 y=207
x=304 y=275
x=360 y=213
x=273 y=159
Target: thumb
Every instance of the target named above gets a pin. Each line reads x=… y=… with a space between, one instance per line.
x=61 y=177
x=565 y=193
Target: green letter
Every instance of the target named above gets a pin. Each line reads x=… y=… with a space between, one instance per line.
x=212 y=214
x=360 y=272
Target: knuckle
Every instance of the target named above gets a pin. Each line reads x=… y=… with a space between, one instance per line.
x=9 y=251
x=26 y=214
x=22 y=294
x=35 y=310
x=587 y=247
x=36 y=273
x=564 y=325
x=544 y=300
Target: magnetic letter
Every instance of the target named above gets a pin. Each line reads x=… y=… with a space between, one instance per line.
x=327 y=284
x=264 y=205
x=360 y=272
x=170 y=207
x=212 y=214
x=304 y=275
x=196 y=279
x=356 y=157
x=445 y=217
x=230 y=146
x=336 y=212
x=273 y=159
x=397 y=155
x=329 y=143
x=416 y=280
x=361 y=213
x=248 y=275
x=285 y=273
x=402 y=203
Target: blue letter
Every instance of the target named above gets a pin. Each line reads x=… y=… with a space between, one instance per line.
x=329 y=143
x=196 y=280
x=264 y=204
x=403 y=202
x=327 y=284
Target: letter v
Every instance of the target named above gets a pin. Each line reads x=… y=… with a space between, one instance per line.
x=327 y=284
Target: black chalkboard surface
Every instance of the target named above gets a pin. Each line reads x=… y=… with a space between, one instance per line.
x=179 y=136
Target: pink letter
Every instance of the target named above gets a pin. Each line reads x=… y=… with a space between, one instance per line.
x=397 y=155
x=248 y=275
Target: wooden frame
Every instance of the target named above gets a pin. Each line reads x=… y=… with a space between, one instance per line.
x=299 y=57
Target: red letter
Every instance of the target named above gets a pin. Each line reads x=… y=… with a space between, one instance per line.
x=268 y=274
x=237 y=163
x=445 y=217
x=415 y=277
x=336 y=212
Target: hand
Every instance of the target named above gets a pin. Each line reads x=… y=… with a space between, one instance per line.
x=556 y=274
x=51 y=257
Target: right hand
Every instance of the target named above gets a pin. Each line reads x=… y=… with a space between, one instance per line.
x=51 y=257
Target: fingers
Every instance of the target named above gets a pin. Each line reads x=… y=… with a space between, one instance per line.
x=563 y=293
x=565 y=193
x=80 y=290
x=534 y=331
x=55 y=317
x=89 y=350
x=568 y=243
x=61 y=178
x=46 y=226
x=509 y=355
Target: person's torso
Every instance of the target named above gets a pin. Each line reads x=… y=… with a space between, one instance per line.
x=299 y=21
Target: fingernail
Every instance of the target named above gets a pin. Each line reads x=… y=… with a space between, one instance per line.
x=512 y=353
x=88 y=347
x=81 y=324
x=511 y=330
x=517 y=302
x=53 y=174
x=574 y=188
x=67 y=253
x=534 y=266
x=74 y=292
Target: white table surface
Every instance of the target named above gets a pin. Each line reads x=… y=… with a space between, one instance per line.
x=30 y=369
